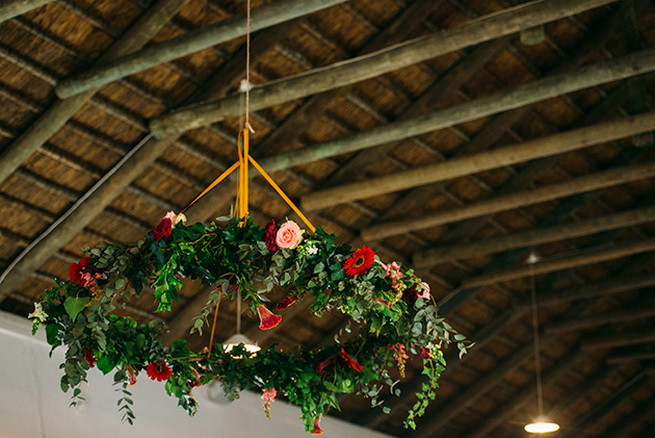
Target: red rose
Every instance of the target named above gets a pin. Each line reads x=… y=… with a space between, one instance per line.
x=89 y=358
x=164 y=229
x=425 y=353
x=270 y=236
x=359 y=262
x=410 y=295
x=77 y=269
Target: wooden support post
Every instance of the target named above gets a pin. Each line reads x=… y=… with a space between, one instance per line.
x=582 y=258
x=595 y=181
x=13 y=8
x=226 y=30
x=61 y=111
x=368 y=66
x=530 y=150
x=523 y=239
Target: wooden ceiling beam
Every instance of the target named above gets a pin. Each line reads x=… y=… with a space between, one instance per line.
x=526 y=394
x=393 y=34
x=533 y=237
x=223 y=31
x=56 y=116
x=636 y=312
x=579 y=258
x=496 y=204
x=14 y=8
x=620 y=340
x=529 y=150
x=618 y=396
x=632 y=356
x=626 y=424
x=358 y=69
x=105 y=190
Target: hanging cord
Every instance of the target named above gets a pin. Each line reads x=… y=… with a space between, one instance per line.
x=247 y=115
x=535 y=326
x=75 y=206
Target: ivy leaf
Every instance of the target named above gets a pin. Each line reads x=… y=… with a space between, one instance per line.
x=106 y=364
x=74 y=305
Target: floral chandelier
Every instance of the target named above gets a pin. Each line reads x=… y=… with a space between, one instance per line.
x=388 y=305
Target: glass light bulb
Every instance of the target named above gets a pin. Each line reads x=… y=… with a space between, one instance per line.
x=237 y=339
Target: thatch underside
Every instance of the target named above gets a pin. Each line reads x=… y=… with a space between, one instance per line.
x=464 y=197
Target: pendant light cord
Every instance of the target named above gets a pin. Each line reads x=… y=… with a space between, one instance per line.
x=535 y=326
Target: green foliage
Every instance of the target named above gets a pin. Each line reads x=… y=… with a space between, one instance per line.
x=234 y=258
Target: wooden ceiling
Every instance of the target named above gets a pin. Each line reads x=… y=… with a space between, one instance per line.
x=456 y=136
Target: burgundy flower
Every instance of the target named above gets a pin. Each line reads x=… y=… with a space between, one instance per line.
x=317 y=426
x=351 y=362
x=359 y=262
x=270 y=236
x=410 y=295
x=320 y=368
x=267 y=319
x=164 y=229
x=286 y=302
x=89 y=358
x=76 y=270
x=425 y=353
x=131 y=374
x=158 y=370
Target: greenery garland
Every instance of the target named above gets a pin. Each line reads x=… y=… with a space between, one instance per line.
x=390 y=306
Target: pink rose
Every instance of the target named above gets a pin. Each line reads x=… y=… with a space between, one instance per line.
x=289 y=235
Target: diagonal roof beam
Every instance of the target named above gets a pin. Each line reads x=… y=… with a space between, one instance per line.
x=594 y=181
x=14 y=8
x=543 y=147
x=358 y=69
x=524 y=239
x=580 y=258
x=618 y=396
x=56 y=116
x=121 y=175
x=526 y=394
x=394 y=33
x=223 y=31
x=491 y=132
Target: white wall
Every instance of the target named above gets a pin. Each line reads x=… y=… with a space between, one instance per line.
x=32 y=405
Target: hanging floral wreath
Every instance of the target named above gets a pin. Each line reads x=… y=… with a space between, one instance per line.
x=390 y=306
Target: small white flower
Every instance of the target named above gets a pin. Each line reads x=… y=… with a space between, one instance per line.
x=311 y=250
x=38 y=313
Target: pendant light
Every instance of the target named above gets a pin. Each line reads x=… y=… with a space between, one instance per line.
x=238 y=337
x=541 y=424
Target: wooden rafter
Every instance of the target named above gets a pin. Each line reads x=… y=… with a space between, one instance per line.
x=530 y=150
x=13 y=8
x=369 y=66
x=60 y=112
x=263 y=17
x=537 y=236
x=500 y=203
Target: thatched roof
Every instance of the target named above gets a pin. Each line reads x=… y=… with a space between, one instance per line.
x=532 y=146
